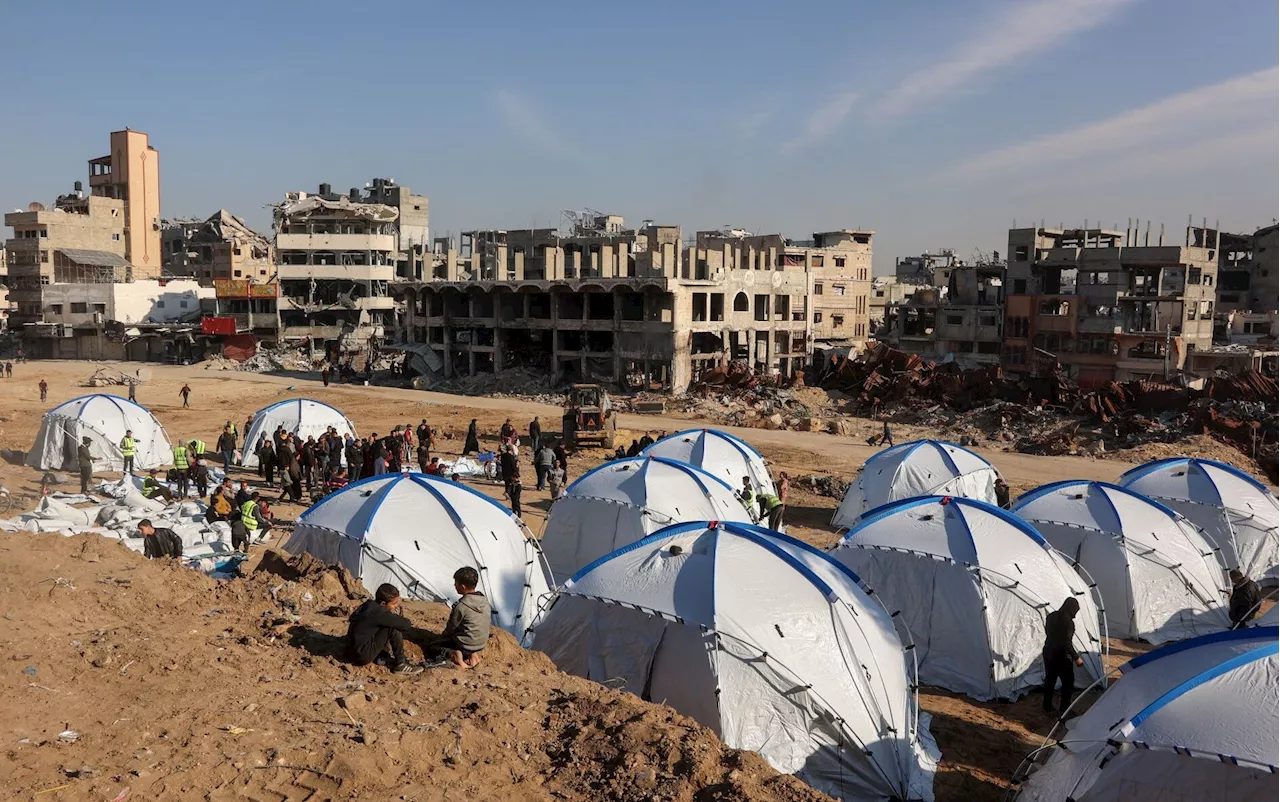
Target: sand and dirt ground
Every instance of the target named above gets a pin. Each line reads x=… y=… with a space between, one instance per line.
x=180 y=687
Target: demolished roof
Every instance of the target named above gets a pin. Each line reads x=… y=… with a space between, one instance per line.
x=297 y=204
x=82 y=256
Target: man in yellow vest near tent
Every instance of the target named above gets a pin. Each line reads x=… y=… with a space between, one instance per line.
x=128 y=449
x=182 y=469
x=196 y=447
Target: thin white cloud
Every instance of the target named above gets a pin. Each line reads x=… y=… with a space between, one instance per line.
x=523 y=119
x=1253 y=145
x=1177 y=122
x=750 y=125
x=823 y=121
x=1014 y=32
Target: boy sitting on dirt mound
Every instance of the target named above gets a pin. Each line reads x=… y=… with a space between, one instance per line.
x=376 y=629
x=467 y=631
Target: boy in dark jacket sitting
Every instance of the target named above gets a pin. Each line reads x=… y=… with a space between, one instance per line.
x=376 y=629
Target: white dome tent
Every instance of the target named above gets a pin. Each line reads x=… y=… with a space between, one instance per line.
x=973 y=584
x=1160 y=577
x=1194 y=720
x=103 y=419
x=1236 y=511
x=414 y=531
x=719 y=454
x=765 y=640
x=911 y=470
x=299 y=416
x=622 y=501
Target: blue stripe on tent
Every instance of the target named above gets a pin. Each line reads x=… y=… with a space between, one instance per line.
x=892 y=507
x=1132 y=475
x=692 y=470
x=832 y=561
x=392 y=478
x=1251 y=633
x=378 y=498
x=742 y=445
x=115 y=399
x=755 y=534
x=382 y=477
x=1043 y=490
x=429 y=481
x=1266 y=650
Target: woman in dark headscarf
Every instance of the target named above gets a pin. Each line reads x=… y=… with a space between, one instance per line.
x=473 y=439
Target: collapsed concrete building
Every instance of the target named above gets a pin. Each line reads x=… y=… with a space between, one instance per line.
x=959 y=314
x=635 y=307
x=337 y=256
x=1107 y=305
x=220 y=248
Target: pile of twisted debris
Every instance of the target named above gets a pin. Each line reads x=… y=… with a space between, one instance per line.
x=1046 y=414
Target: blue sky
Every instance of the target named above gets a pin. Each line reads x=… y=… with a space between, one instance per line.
x=935 y=123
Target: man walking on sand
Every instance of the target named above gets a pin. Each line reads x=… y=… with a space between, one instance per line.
x=185 y=392
x=44 y=390
x=86 y=464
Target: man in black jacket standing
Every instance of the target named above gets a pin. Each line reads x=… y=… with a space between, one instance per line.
x=376 y=628
x=1060 y=655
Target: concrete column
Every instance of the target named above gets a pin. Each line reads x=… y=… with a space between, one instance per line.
x=555 y=321
x=497 y=331
x=519 y=265
x=410 y=315
x=471 y=361
x=617 y=338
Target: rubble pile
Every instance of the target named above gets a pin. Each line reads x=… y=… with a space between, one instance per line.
x=1051 y=414
x=521 y=383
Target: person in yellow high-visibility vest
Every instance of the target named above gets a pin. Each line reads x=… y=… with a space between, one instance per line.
x=128 y=450
x=197 y=447
x=251 y=520
x=182 y=469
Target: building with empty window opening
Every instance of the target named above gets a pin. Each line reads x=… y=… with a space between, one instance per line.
x=635 y=307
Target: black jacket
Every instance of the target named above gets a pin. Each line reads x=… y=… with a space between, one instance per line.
x=510 y=466
x=1244 y=602
x=1059 y=634
x=364 y=624
x=163 y=543
x=226 y=442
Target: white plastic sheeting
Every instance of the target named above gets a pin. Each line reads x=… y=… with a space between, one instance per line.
x=103 y=419
x=299 y=416
x=415 y=530
x=1192 y=721
x=973 y=584
x=1160 y=578
x=910 y=470
x=765 y=640
x=623 y=501
x=719 y=454
x=1236 y=511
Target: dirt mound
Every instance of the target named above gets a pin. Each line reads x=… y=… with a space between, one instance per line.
x=122 y=673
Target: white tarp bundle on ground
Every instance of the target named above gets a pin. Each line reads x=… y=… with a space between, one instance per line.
x=719 y=454
x=1193 y=721
x=414 y=531
x=1236 y=511
x=103 y=419
x=973 y=584
x=910 y=470
x=300 y=416
x=765 y=640
x=119 y=517
x=622 y=501
x=1159 y=577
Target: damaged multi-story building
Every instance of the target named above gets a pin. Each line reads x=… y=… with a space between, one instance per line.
x=79 y=240
x=635 y=307
x=959 y=314
x=130 y=173
x=220 y=248
x=337 y=256
x=1108 y=305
